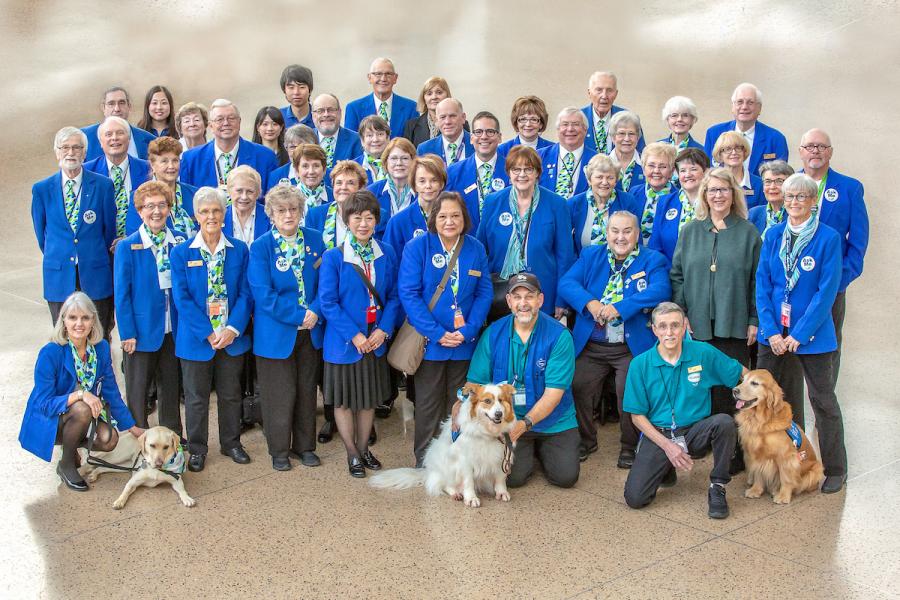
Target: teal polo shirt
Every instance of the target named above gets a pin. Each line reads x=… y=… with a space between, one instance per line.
x=654 y=388
x=558 y=374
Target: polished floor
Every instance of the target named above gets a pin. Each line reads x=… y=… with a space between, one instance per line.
x=318 y=533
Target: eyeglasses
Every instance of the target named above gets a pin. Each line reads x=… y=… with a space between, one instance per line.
x=522 y=170
x=295 y=210
x=221 y=120
x=115 y=103
x=730 y=149
x=681 y=116
x=399 y=159
x=571 y=125
x=326 y=111
x=768 y=182
x=718 y=191
x=745 y=103
x=380 y=74
x=155 y=207
x=796 y=198
x=815 y=147
x=67 y=149
x=528 y=120
x=624 y=134
x=485 y=132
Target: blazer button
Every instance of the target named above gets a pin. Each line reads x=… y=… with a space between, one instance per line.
x=71 y=259
x=76 y=240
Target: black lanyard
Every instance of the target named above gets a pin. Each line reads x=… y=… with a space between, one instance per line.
x=524 y=357
x=666 y=388
x=523 y=241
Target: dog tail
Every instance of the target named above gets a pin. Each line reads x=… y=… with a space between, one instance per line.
x=398 y=479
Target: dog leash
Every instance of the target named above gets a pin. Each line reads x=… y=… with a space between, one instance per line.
x=506 y=463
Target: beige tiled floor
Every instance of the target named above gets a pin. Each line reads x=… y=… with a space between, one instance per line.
x=316 y=532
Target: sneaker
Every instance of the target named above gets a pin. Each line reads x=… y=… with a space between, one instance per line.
x=718 y=506
x=584 y=452
x=626 y=459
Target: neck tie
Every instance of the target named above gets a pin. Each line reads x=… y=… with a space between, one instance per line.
x=564 y=179
x=121 y=199
x=600 y=136
x=484 y=182
x=226 y=166
x=328 y=147
x=383 y=112
x=71 y=202
x=451 y=153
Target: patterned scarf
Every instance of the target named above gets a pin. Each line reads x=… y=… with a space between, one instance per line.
x=615 y=286
x=515 y=261
x=790 y=260
x=366 y=253
x=215 y=284
x=85 y=371
x=649 y=214
x=772 y=217
x=687 y=210
x=598 y=227
x=454 y=276
x=399 y=199
x=314 y=197
x=376 y=168
x=627 y=173
x=330 y=230
x=683 y=144
x=294 y=252
x=180 y=217
x=162 y=249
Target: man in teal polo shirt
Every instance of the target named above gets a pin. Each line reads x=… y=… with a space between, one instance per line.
x=667 y=394
x=534 y=353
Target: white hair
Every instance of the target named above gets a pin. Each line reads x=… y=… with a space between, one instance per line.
x=209 y=195
x=624 y=118
x=679 y=104
x=747 y=85
x=118 y=121
x=571 y=110
x=599 y=74
x=67 y=132
x=223 y=103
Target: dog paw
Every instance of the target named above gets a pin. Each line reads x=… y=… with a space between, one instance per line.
x=188 y=501
x=752 y=493
x=502 y=496
x=781 y=499
x=473 y=502
x=91 y=477
x=457 y=496
x=119 y=504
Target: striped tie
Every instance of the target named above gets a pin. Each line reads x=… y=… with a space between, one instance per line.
x=383 y=112
x=451 y=153
x=226 y=167
x=121 y=199
x=71 y=201
x=600 y=136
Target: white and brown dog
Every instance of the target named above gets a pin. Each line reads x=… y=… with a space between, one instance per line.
x=156 y=458
x=479 y=458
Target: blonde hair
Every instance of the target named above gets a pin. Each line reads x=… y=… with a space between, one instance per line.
x=244 y=171
x=738 y=204
x=730 y=138
x=77 y=301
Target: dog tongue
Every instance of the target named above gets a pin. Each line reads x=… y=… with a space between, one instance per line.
x=739 y=404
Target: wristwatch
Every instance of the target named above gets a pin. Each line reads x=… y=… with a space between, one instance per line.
x=528 y=422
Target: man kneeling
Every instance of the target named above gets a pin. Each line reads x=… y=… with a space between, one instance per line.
x=667 y=394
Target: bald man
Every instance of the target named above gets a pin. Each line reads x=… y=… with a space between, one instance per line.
x=454 y=144
x=391 y=107
x=766 y=143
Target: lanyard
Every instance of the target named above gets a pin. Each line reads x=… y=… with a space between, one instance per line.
x=523 y=239
x=790 y=262
x=668 y=397
x=524 y=357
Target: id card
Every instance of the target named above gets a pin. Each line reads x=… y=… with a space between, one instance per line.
x=217 y=308
x=459 y=321
x=519 y=398
x=681 y=443
x=785 y=314
x=165 y=279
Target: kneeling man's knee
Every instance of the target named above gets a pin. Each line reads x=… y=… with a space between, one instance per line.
x=565 y=477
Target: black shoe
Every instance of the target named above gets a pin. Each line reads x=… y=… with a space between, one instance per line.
x=196 y=462
x=370 y=462
x=626 y=459
x=584 y=452
x=238 y=455
x=383 y=411
x=77 y=485
x=833 y=483
x=670 y=479
x=326 y=433
x=373 y=437
x=357 y=469
x=718 y=506
x=699 y=454
x=309 y=459
x=737 y=463
x=281 y=464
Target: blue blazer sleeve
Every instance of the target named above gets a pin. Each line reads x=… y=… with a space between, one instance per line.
x=565 y=245
x=571 y=284
x=191 y=314
x=412 y=291
x=392 y=310
x=765 y=303
x=484 y=297
x=857 y=237
x=124 y=291
x=39 y=212
x=329 y=294
x=243 y=306
x=46 y=371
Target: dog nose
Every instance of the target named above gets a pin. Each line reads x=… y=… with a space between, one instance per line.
x=498 y=414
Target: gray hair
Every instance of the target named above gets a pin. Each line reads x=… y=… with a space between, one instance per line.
x=382 y=59
x=77 y=301
x=801 y=182
x=329 y=95
x=755 y=89
x=244 y=171
x=118 y=121
x=209 y=195
x=624 y=118
x=284 y=194
x=776 y=167
x=67 y=132
x=116 y=88
x=679 y=104
x=601 y=162
x=627 y=214
x=300 y=134
x=572 y=110
x=598 y=74
x=223 y=103
x=665 y=308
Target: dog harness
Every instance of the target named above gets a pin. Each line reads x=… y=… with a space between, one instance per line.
x=795 y=434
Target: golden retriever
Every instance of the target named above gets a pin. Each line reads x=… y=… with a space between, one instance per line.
x=156 y=458
x=774 y=463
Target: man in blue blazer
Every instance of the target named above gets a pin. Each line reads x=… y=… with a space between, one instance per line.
x=394 y=109
x=126 y=172
x=766 y=143
x=210 y=163
x=603 y=88
x=484 y=172
x=116 y=103
x=74 y=218
x=454 y=144
x=563 y=162
x=338 y=142
x=297 y=85
x=842 y=207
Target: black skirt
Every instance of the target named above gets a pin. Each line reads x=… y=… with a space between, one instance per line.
x=362 y=385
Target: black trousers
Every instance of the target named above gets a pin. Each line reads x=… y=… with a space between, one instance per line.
x=592 y=367
x=438 y=380
x=651 y=463
x=106 y=310
x=558 y=453
x=288 y=388
x=838 y=311
x=722 y=399
x=818 y=371
x=225 y=370
x=140 y=368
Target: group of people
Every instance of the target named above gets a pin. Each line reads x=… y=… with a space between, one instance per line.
x=660 y=271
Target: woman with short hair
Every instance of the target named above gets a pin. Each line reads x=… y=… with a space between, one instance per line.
x=732 y=150
x=529 y=120
x=191 y=122
x=308 y=175
x=679 y=207
x=590 y=211
x=658 y=163
x=164 y=155
x=347 y=178
x=428 y=177
x=680 y=115
x=773 y=174
x=626 y=132
x=246 y=218
x=374 y=133
x=394 y=192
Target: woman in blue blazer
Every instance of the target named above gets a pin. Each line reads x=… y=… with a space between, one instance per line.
x=209 y=282
x=529 y=120
x=526 y=227
x=347 y=177
x=245 y=218
x=590 y=211
x=428 y=179
x=287 y=328
x=394 y=192
x=307 y=171
x=145 y=308
x=625 y=129
x=68 y=377
x=658 y=160
x=680 y=115
x=613 y=288
x=797 y=281
x=358 y=295
x=773 y=174
x=731 y=150
x=452 y=327
x=677 y=209
x=164 y=154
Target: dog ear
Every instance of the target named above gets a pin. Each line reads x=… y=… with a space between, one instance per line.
x=143 y=441
x=471 y=389
x=176 y=441
x=508 y=392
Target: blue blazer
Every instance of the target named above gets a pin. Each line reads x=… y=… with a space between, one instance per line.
x=692 y=143
x=640 y=202
x=590 y=140
x=198 y=165
x=843 y=209
x=754 y=195
x=578 y=212
x=189 y=287
x=757 y=216
x=261 y=224
x=345 y=299
x=347 y=147
x=812 y=297
x=436 y=146
x=290 y=120
x=463 y=178
x=90 y=243
x=405 y=226
x=637 y=180
x=141 y=138
x=140 y=304
x=550 y=158
x=276 y=176
x=276 y=310
x=402 y=110
x=768 y=143
x=646 y=284
x=133 y=219
x=665 y=225
x=419 y=279
x=549 y=251
x=54 y=380
x=508 y=145
x=138 y=169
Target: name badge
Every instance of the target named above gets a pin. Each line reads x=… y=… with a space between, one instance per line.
x=89 y=216
x=519 y=399
x=195 y=263
x=439 y=261
x=505 y=219
x=137 y=246
x=474 y=273
x=770 y=155
x=165 y=280
x=638 y=275
x=785 y=314
x=695 y=369
x=498 y=184
x=470 y=189
x=749 y=192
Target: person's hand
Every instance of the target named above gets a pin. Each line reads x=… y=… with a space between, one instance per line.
x=609 y=312
x=115 y=242
x=376 y=339
x=595 y=308
x=136 y=431
x=226 y=337
x=94 y=403
x=310 y=320
x=777 y=345
x=559 y=312
x=517 y=431
x=451 y=339
x=454 y=425
x=677 y=456
x=211 y=338
x=361 y=343
x=129 y=345
x=751 y=334
x=791 y=344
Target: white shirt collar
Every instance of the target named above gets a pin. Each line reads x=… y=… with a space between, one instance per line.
x=124 y=165
x=749 y=134
x=745 y=182
x=148 y=243
x=390 y=103
x=479 y=162
x=77 y=179
x=529 y=144
x=199 y=242
x=799 y=228
x=577 y=152
x=351 y=256
x=234 y=151
x=322 y=136
x=458 y=141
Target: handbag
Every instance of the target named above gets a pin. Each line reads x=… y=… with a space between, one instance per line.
x=408 y=348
